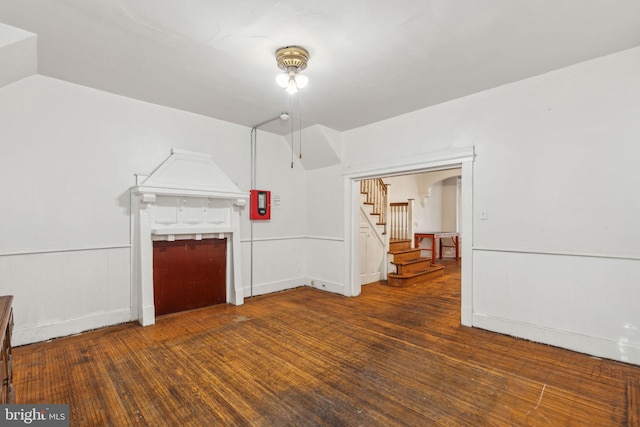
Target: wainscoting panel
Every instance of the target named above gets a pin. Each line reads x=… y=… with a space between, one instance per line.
x=581 y=302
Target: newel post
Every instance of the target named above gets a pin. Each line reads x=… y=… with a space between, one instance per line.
x=387 y=217
x=410 y=224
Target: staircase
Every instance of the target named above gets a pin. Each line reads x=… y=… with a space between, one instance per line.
x=411 y=268
x=406 y=266
x=375 y=195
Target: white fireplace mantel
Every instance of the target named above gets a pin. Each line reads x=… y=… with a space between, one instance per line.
x=187 y=197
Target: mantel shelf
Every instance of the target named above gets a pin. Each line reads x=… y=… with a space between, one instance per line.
x=190 y=230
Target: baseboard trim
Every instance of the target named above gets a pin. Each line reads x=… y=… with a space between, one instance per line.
x=33 y=334
x=325 y=285
x=594 y=346
x=268 y=288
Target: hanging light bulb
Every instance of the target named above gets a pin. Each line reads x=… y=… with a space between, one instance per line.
x=292 y=60
x=292 y=87
x=291 y=81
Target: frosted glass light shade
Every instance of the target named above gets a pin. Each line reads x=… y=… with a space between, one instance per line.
x=291 y=81
x=301 y=81
x=282 y=79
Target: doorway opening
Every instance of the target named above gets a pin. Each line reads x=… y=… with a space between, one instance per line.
x=412 y=211
x=463 y=159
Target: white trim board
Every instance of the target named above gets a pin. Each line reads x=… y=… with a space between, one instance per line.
x=599 y=347
x=38 y=333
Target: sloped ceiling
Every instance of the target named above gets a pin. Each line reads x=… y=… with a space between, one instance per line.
x=18 y=54
x=370 y=59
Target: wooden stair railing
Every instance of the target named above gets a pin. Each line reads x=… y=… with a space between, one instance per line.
x=398 y=216
x=375 y=191
x=401 y=220
x=410 y=267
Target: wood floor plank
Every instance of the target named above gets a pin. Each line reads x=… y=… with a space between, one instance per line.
x=633 y=401
x=391 y=357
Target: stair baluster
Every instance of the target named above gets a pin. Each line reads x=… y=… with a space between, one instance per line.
x=376 y=195
x=410 y=268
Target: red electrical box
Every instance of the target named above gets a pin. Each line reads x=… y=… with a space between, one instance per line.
x=260 y=205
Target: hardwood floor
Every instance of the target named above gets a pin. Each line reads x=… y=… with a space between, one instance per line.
x=393 y=356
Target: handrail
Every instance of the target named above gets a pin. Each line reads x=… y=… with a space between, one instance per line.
x=375 y=191
x=397 y=217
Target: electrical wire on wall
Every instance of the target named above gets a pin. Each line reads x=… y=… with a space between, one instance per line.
x=254 y=161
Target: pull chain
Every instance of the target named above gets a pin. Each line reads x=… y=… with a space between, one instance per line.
x=300 y=119
x=292 y=137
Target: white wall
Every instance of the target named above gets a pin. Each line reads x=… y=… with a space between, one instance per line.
x=435 y=206
x=450 y=198
x=437 y=212
x=18 y=48
x=69 y=157
x=325 y=229
x=278 y=247
x=556 y=173
x=556 y=260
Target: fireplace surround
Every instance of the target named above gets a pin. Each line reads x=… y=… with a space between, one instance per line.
x=186 y=197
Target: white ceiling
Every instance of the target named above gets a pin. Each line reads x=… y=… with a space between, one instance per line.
x=370 y=59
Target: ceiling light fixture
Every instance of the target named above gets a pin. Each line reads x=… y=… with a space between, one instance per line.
x=292 y=60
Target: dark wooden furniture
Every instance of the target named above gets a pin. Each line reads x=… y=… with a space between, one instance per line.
x=436 y=236
x=6 y=327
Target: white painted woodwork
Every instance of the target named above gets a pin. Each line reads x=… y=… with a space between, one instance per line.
x=531 y=294
x=186 y=197
x=435 y=161
x=372 y=253
x=73 y=156
x=65 y=292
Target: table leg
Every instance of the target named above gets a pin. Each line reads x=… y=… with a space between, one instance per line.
x=457 y=248
x=433 y=250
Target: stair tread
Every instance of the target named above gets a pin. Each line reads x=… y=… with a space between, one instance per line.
x=404 y=251
x=417 y=273
x=411 y=261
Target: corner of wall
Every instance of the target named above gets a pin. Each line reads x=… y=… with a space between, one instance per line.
x=18 y=48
